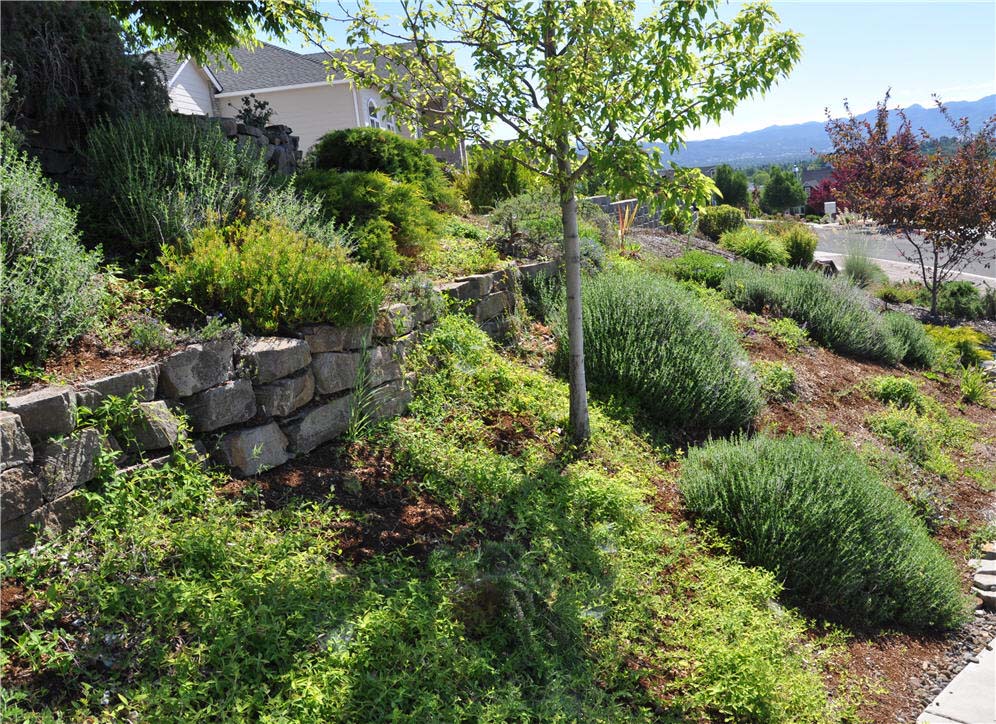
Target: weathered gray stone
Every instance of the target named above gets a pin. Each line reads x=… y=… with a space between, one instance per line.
x=394 y=321
x=326 y=338
x=48 y=412
x=226 y=404
x=254 y=450
x=985 y=581
x=384 y=365
x=271 y=358
x=157 y=428
x=282 y=397
x=319 y=424
x=461 y=291
x=504 y=280
x=68 y=463
x=250 y=130
x=403 y=344
x=15 y=447
x=61 y=514
x=20 y=494
x=229 y=126
x=480 y=284
x=538 y=268
x=54 y=518
x=390 y=400
x=195 y=368
x=497 y=328
x=492 y=306
x=141 y=381
x=335 y=371
x=20 y=532
x=424 y=312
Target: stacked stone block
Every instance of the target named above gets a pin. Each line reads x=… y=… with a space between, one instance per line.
x=251 y=408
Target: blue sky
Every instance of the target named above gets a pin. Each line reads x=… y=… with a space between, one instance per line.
x=855 y=50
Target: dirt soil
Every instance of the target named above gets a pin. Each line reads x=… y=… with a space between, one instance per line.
x=383 y=513
x=86 y=359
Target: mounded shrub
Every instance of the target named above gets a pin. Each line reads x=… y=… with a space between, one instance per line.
x=359 y=197
x=50 y=288
x=835 y=313
x=800 y=244
x=159 y=178
x=714 y=221
x=376 y=149
x=493 y=178
x=916 y=347
x=271 y=278
x=846 y=546
x=698 y=266
x=755 y=246
x=960 y=300
x=649 y=341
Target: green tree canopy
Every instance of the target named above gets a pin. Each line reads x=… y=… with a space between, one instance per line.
x=783 y=191
x=584 y=86
x=204 y=30
x=732 y=185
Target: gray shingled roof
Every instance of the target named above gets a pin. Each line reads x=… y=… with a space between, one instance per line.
x=170 y=62
x=267 y=66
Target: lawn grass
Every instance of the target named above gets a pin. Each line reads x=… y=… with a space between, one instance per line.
x=562 y=590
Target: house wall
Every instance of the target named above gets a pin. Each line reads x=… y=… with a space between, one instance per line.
x=310 y=112
x=192 y=93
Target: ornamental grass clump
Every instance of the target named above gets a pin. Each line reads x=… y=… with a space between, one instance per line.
x=650 y=342
x=272 y=278
x=755 y=246
x=846 y=546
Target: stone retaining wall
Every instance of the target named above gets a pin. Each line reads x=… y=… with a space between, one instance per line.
x=250 y=408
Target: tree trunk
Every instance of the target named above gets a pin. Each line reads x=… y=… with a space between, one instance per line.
x=933 y=287
x=580 y=428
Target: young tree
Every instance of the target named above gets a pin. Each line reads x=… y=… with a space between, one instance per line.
x=732 y=185
x=943 y=205
x=783 y=191
x=584 y=86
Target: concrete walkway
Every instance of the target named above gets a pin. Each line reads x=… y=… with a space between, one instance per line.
x=970 y=698
x=900 y=271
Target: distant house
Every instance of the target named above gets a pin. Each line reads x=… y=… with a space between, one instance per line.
x=294 y=84
x=812 y=178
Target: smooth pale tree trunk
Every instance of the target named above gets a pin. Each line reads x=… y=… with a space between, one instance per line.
x=580 y=428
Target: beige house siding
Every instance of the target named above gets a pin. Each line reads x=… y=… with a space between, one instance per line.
x=310 y=112
x=191 y=92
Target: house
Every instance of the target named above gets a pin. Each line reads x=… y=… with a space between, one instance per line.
x=297 y=88
x=811 y=178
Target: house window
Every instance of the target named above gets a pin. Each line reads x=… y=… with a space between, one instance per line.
x=374 y=122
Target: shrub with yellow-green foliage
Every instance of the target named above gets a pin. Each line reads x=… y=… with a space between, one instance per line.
x=961 y=343
x=755 y=246
x=799 y=241
x=271 y=278
x=714 y=221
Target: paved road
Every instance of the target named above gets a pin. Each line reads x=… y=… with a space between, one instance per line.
x=842 y=239
x=899 y=271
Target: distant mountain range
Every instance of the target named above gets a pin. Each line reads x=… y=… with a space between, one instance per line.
x=782 y=144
